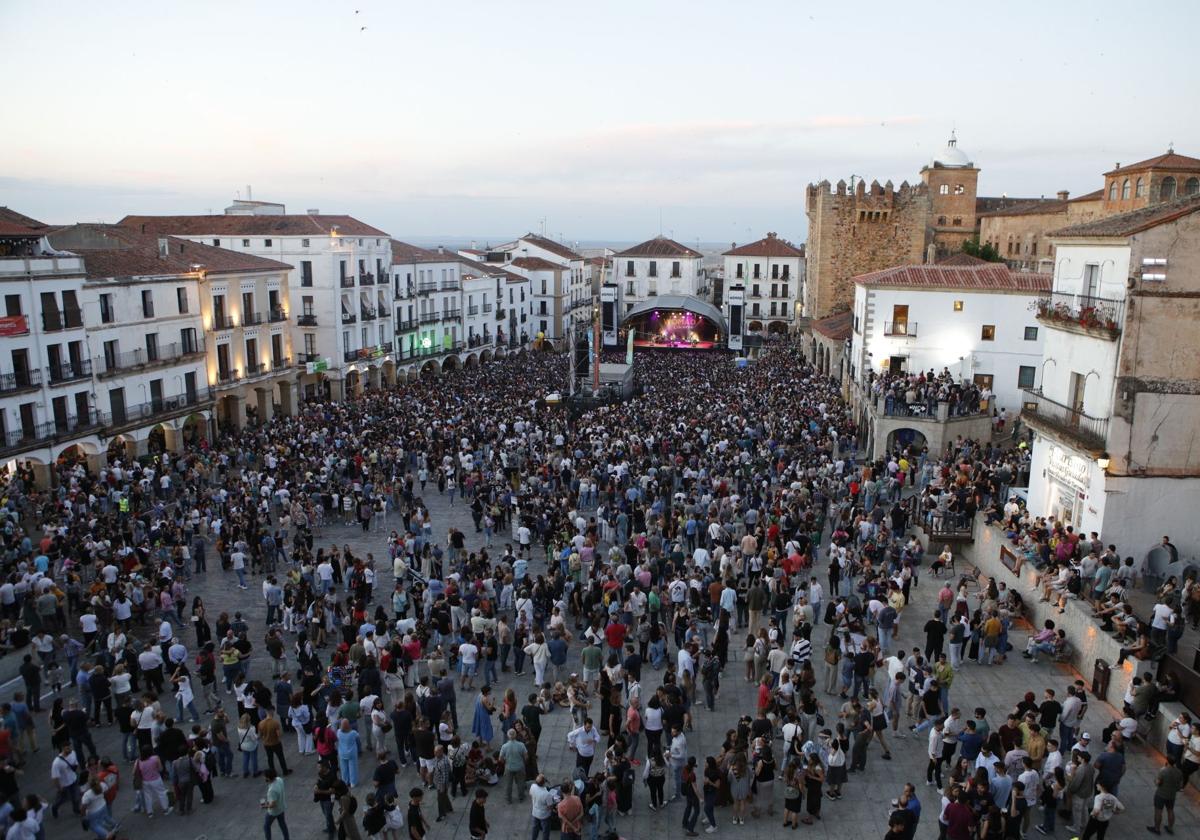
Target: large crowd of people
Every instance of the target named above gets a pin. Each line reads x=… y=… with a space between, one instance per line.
x=621 y=559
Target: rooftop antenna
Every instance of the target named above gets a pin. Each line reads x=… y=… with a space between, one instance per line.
x=249 y=194
x=1171 y=147
x=543 y=226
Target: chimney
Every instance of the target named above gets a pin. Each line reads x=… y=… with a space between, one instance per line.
x=164 y=248
x=1063 y=195
x=441 y=250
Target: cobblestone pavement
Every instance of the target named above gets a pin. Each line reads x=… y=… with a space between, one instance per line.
x=862 y=813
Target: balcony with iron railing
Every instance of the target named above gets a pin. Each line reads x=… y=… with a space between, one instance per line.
x=366 y=279
x=452 y=315
x=1087 y=314
x=347 y=282
x=349 y=318
x=276 y=315
x=308 y=319
x=501 y=314
x=451 y=285
x=366 y=313
x=472 y=310
x=113 y=363
x=900 y=329
x=40 y=434
x=157 y=410
x=69 y=371
x=430 y=317
x=252 y=319
x=405 y=326
x=222 y=322
x=1046 y=415
x=487 y=309
x=427 y=286
x=20 y=380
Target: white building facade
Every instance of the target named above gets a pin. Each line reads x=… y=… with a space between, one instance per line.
x=771 y=272
x=1115 y=413
x=977 y=322
x=658 y=266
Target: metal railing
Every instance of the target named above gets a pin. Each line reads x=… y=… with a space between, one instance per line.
x=1086 y=311
x=252 y=319
x=349 y=318
x=222 y=322
x=276 y=315
x=366 y=314
x=430 y=317
x=20 y=380
x=427 y=286
x=902 y=329
x=108 y=364
x=452 y=315
x=307 y=320
x=347 y=282
x=451 y=285
x=154 y=409
x=472 y=310
x=487 y=307
x=366 y=279
x=501 y=314
x=1041 y=410
x=68 y=371
x=403 y=326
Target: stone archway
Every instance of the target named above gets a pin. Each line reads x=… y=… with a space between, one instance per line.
x=389 y=373
x=430 y=369
x=485 y=356
x=777 y=328
x=353 y=383
x=121 y=448
x=194 y=430
x=754 y=326
x=452 y=363
x=157 y=440
x=905 y=437
x=472 y=361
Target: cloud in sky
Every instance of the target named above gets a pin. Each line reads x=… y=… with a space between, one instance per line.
x=477 y=117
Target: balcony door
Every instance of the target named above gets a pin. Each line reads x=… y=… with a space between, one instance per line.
x=900 y=319
x=1091 y=285
x=1078 y=387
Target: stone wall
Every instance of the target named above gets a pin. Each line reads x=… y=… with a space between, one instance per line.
x=855 y=232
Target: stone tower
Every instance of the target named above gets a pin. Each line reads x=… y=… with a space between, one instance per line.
x=952 y=180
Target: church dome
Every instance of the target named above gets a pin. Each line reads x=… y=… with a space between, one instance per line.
x=951 y=157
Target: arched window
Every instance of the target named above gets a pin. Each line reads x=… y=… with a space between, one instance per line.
x=1125 y=190
x=1140 y=190
x=1112 y=191
x=959 y=189
x=1167 y=191
x=1191 y=186
x=957 y=221
x=941 y=221
x=944 y=189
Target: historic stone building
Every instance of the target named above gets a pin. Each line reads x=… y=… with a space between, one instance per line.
x=1019 y=232
x=857 y=229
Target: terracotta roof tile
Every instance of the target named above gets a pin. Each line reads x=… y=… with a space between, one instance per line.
x=550 y=245
x=1127 y=224
x=837 y=326
x=1168 y=161
x=1033 y=207
x=289 y=225
x=769 y=246
x=992 y=276
x=12 y=217
x=116 y=251
x=659 y=246
x=404 y=253
x=1094 y=195
x=536 y=264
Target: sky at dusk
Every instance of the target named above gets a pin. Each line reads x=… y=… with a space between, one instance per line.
x=465 y=119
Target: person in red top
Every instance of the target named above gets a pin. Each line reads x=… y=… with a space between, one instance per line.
x=570 y=814
x=764 y=694
x=614 y=635
x=960 y=819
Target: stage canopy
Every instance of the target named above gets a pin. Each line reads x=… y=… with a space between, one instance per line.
x=676 y=321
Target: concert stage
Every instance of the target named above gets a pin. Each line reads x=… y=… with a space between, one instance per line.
x=676 y=322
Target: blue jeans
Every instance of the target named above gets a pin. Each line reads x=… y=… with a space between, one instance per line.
x=270 y=818
x=691 y=813
x=1048 y=818
x=249 y=762
x=241 y=575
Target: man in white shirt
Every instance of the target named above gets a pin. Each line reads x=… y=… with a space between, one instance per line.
x=678 y=755
x=469 y=654
x=64 y=772
x=584 y=740
x=543 y=799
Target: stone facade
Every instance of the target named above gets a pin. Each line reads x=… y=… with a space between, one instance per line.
x=859 y=230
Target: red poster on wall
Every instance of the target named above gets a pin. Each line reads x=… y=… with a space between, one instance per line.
x=13 y=325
